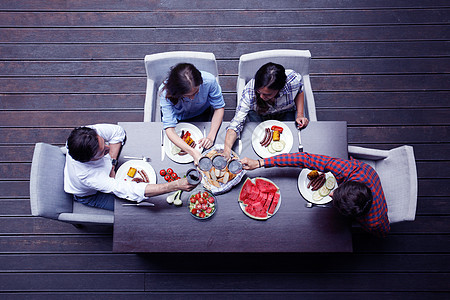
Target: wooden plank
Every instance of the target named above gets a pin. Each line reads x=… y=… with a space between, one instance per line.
x=38 y=225
x=316 y=295
x=137 y=85
x=15 y=171
x=64 y=119
x=15 y=207
x=433 y=205
x=418 y=243
x=386 y=117
x=70 y=282
x=290 y=282
x=376 y=100
x=225 y=34
x=226 y=67
x=299 y=16
x=56 y=244
x=229 y=50
x=16 y=153
x=142 y=5
x=224 y=262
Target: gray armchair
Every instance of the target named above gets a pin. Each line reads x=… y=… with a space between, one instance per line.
x=158 y=66
x=297 y=60
x=47 y=195
x=397 y=171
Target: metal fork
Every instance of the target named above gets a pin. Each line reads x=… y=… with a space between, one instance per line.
x=300 y=146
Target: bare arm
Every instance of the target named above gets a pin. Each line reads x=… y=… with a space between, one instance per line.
x=230 y=138
x=300 y=104
x=215 y=125
x=114 y=150
x=163 y=188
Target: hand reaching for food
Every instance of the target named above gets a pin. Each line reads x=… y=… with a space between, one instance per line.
x=205 y=143
x=249 y=164
x=301 y=122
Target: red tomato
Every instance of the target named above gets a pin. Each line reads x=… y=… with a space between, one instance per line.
x=198 y=206
x=167 y=177
x=202 y=214
x=178 y=178
x=174 y=175
x=192 y=200
x=201 y=201
x=194 y=211
x=169 y=171
x=211 y=200
x=205 y=194
x=197 y=196
x=204 y=206
x=208 y=210
x=162 y=172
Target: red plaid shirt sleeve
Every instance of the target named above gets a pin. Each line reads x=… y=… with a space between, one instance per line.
x=376 y=221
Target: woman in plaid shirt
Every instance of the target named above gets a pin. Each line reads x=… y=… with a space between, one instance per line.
x=274 y=94
x=359 y=195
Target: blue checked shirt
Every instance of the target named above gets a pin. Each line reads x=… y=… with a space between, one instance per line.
x=284 y=101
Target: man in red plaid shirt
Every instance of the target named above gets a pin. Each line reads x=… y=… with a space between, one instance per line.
x=359 y=195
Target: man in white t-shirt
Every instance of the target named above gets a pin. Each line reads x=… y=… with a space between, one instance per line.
x=90 y=169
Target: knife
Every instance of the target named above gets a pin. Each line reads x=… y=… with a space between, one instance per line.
x=239 y=146
x=163 y=153
x=138 y=204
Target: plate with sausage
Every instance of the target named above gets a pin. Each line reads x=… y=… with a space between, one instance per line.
x=316 y=186
x=272 y=137
x=136 y=171
x=189 y=133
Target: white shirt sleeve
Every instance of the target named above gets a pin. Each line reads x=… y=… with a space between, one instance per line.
x=111 y=133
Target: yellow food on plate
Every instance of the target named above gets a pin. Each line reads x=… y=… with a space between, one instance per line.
x=313 y=174
x=131 y=172
x=276 y=135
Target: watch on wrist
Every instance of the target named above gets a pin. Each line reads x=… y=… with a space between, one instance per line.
x=114 y=162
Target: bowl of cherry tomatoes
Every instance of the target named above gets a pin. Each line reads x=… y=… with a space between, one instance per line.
x=202 y=204
x=169 y=174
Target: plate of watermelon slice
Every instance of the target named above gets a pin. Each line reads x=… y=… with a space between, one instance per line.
x=259 y=198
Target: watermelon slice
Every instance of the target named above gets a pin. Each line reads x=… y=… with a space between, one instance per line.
x=246 y=189
x=265 y=186
x=274 y=204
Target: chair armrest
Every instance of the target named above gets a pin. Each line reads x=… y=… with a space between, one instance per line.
x=309 y=99
x=367 y=153
x=150 y=113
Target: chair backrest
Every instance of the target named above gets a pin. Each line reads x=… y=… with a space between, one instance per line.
x=397 y=171
x=158 y=66
x=47 y=196
x=398 y=176
x=297 y=60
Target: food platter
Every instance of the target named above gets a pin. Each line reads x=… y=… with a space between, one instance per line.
x=218 y=186
x=259 y=134
x=307 y=193
x=139 y=165
x=263 y=203
x=196 y=135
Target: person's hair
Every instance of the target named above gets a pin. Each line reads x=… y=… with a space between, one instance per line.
x=181 y=80
x=272 y=76
x=82 y=144
x=353 y=199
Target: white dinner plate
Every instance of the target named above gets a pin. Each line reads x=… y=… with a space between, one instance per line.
x=139 y=165
x=196 y=135
x=258 y=135
x=307 y=192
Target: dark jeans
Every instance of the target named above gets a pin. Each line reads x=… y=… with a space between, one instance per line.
x=99 y=200
x=253 y=116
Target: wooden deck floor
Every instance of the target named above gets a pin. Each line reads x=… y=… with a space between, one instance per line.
x=382 y=66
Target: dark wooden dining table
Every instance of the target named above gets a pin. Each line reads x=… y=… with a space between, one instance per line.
x=294 y=228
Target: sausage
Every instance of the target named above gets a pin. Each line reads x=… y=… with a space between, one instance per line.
x=319 y=183
x=145 y=176
x=266 y=133
x=269 y=138
x=137 y=179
